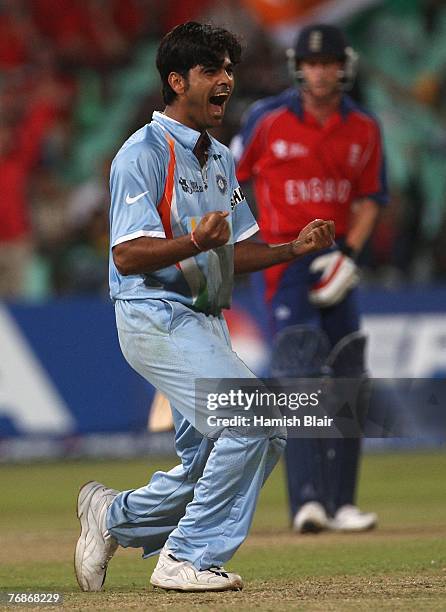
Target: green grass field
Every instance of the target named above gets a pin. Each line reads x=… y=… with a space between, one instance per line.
x=400 y=566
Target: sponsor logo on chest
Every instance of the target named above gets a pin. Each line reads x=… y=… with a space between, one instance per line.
x=288 y=150
x=190 y=186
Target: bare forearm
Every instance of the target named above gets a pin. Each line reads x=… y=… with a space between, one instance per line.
x=364 y=218
x=145 y=255
x=252 y=256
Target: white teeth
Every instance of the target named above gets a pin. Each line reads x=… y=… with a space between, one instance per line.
x=219 y=99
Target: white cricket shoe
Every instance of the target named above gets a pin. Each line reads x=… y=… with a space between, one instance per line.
x=95 y=546
x=172 y=574
x=311 y=518
x=350 y=518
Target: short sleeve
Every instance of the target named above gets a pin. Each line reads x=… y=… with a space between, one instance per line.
x=136 y=187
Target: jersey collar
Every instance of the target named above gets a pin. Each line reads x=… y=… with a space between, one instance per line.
x=183 y=134
x=296 y=106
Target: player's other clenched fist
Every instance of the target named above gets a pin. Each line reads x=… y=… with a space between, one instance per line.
x=315 y=236
x=212 y=231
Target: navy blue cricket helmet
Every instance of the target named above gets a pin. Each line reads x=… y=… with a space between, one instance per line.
x=323 y=40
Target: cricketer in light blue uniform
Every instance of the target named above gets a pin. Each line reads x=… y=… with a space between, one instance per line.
x=172 y=332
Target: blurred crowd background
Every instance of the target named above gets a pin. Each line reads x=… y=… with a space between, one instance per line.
x=78 y=76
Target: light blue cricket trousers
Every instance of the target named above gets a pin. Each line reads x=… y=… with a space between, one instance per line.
x=204 y=507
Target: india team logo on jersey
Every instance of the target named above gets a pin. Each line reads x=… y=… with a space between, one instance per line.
x=222 y=183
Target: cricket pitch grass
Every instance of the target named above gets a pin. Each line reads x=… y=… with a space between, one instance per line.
x=399 y=566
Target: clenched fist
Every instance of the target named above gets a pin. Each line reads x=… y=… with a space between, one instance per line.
x=315 y=236
x=212 y=231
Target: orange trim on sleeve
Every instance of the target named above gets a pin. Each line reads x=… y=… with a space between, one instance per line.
x=165 y=204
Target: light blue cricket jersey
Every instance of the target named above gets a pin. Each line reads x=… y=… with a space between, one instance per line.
x=158 y=189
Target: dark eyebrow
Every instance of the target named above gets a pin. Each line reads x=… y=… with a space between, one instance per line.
x=215 y=66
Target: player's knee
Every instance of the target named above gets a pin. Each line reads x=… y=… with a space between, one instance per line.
x=195 y=463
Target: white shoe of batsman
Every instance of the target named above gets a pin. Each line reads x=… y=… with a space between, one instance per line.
x=350 y=518
x=95 y=546
x=311 y=518
x=172 y=574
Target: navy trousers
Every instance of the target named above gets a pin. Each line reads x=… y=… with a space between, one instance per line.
x=321 y=470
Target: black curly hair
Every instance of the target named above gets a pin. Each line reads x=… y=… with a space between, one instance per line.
x=194 y=44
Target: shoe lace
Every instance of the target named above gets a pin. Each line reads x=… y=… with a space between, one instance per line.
x=218 y=571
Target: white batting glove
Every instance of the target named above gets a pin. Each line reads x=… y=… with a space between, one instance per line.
x=339 y=274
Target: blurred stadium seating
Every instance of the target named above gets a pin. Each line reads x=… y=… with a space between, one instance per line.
x=78 y=76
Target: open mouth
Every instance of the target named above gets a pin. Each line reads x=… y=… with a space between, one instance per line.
x=219 y=100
